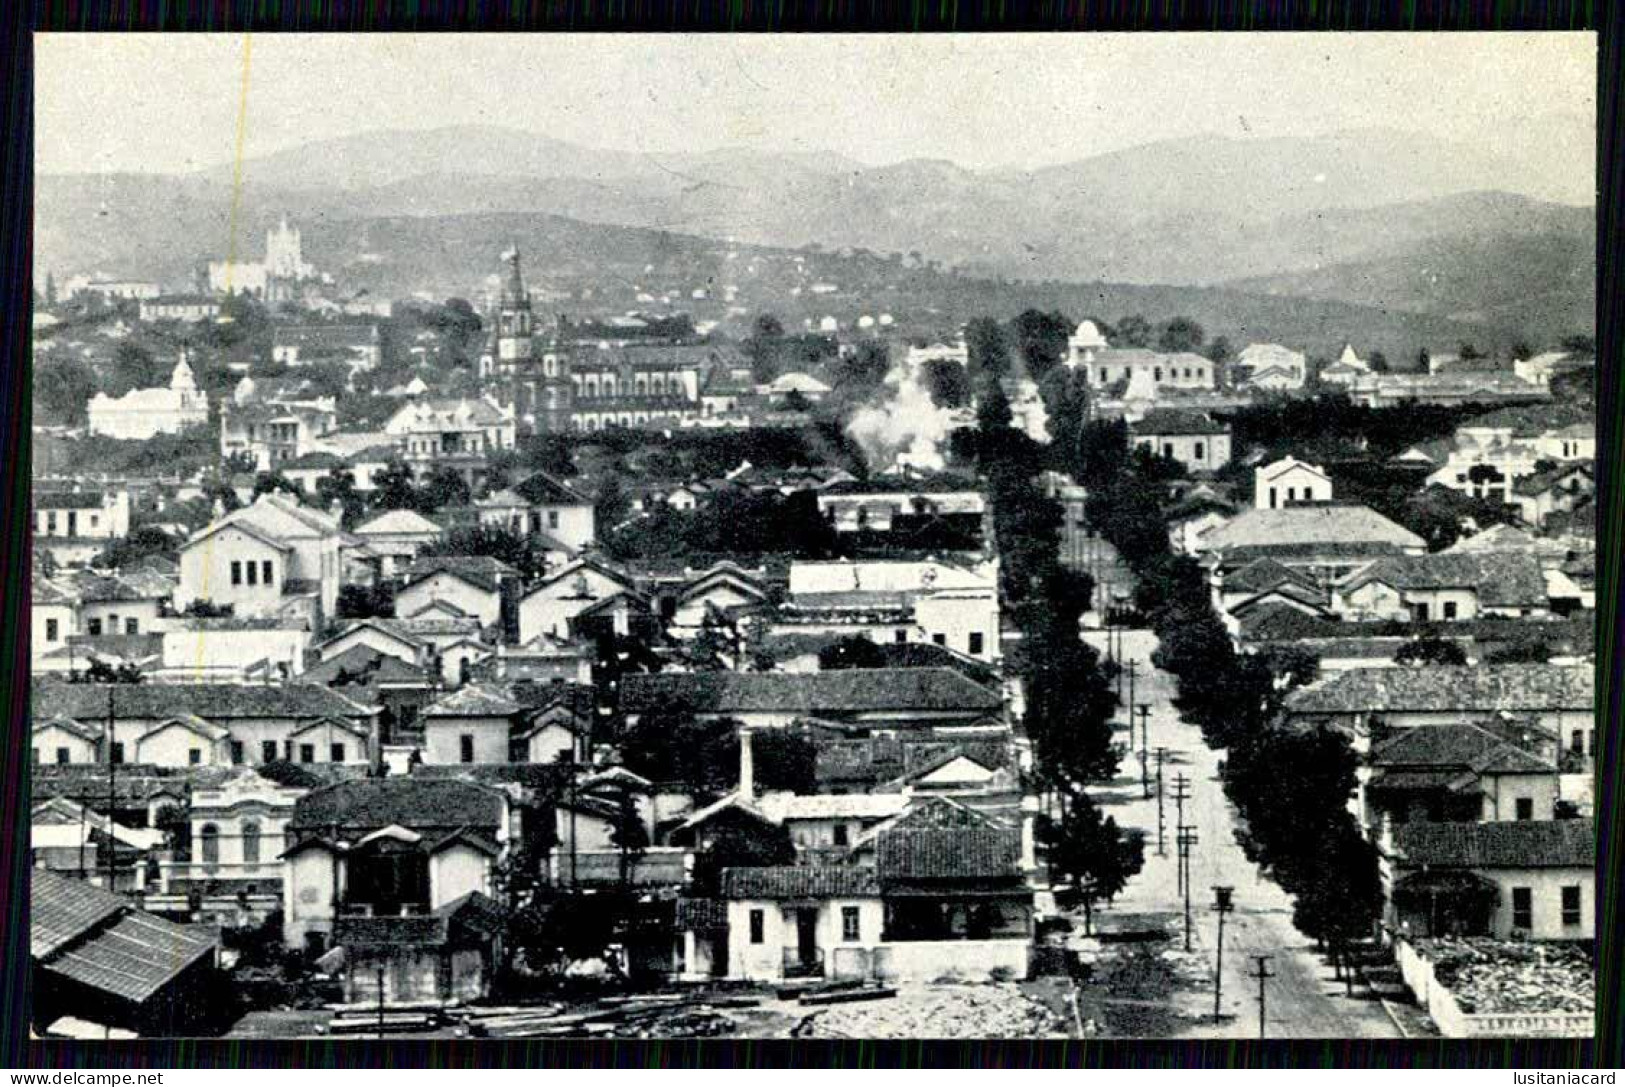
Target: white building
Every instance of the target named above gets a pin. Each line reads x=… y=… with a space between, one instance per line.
x=934 y=602
x=1287 y=481
x=141 y=414
x=1271 y=366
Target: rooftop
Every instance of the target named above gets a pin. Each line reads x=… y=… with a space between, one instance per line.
x=1561 y=843
x=798 y=882
x=854 y=690
x=210 y=701
x=1511 y=688
x=1314 y=524
x=1501 y=579
x=359 y=807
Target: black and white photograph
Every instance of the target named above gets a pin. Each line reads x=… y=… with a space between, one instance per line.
x=816 y=536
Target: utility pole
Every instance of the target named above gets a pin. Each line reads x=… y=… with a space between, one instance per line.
x=1145 y=745
x=380 y=1000
x=1132 y=666
x=1187 y=842
x=1162 y=753
x=1182 y=790
x=112 y=795
x=1262 y=973
x=1222 y=904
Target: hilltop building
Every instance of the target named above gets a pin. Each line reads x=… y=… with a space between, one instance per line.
x=141 y=414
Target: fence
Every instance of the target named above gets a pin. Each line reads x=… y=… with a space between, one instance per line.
x=1446 y=1013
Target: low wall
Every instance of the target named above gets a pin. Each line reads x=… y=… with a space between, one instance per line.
x=1446 y=1013
x=965 y=960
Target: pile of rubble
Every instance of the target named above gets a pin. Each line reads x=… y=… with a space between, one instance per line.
x=940 y=1011
x=1490 y=976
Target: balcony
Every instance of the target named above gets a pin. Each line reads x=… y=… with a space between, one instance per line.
x=175 y=877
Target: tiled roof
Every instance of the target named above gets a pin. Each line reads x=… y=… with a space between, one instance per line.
x=47 y=593
x=94 y=588
x=541 y=489
x=99 y=940
x=68 y=500
x=1314 y=525
x=1511 y=688
x=365 y=667
x=787 y=882
x=88 y=733
x=1172 y=422
x=397 y=522
x=1264 y=574
x=783 y=806
x=1501 y=579
x=948 y=853
x=1541 y=482
x=1563 y=843
x=853 y=690
x=412 y=802
x=418 y=629
x=211 y=701
x=482 y=571
x=475 y=700
x=1504 y=538
x=1435 y=745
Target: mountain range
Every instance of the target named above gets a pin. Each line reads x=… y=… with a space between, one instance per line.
x=1498 y=231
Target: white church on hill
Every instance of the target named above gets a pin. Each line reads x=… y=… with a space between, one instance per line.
x=142 y=413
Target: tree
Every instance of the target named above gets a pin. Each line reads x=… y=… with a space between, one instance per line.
x=395 y=488
x=134 y=367
x=1090 y=852
x=992 y=411
x=365 y=602
x=1378 y=362
x=445 y=487
x=273 y=482
x=987 y=348
x=1219 y=351
x=338 y=486
x=1181 y=334
x=517 y=549
x=627 y=832
x=63 y=388
x=1041 y=340
x=862 y=372
x=1580 y=344
x=852 y=651
x=1134 y=331
x=1430 y=649
x=1467 y=352
x=143 y=541
x=947 y=382
x=102 y=672
x=740 y=846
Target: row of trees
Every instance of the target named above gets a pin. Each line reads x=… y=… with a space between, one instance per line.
x=1069 y=701
x=1290 y=786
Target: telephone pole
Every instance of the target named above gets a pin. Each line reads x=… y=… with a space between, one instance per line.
x=1145 y=746
x=1182 y=790
x=1261 y=970
x=1162 y=753
x=1222 y=904
x=1187 y=841
x=1132 y=666
x=112 y=795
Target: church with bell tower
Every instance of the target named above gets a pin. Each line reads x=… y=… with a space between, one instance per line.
x=540 y=382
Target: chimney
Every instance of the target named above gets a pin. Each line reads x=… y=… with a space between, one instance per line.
x=747 y=766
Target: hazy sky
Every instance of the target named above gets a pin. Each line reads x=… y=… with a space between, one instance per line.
x=170 y=103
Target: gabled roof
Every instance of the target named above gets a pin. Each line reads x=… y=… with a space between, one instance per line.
x=800 y=882
x=99 y=940
x=397 y=522
x=358 y=807
x=1173 y=422
x=475 y=700
x=1435 y=746
x=574 y=566
x=210 y=701
x=1540 y=482
x=67 y=724
x=948 y=853
x=855 y=690
x=47 y=593
x=1331 y=524
x=1501 y=579
x=341 y=723
x=244 y=527
x=541 y=489
x=1264 y=574
x=1511 y=688
x=190 y=723
x=1501 y=538
x=1562 y=843
x=480 y=571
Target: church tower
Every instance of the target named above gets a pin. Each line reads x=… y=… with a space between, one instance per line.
x=515 y=323
x=539 y=373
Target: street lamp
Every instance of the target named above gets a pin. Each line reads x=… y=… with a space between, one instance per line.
x=1222 y=904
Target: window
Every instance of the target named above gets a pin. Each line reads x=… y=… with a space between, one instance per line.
x=336 y=753
x=1571 y=905
x=265 y=572
x=194 y=756
x=940 y=639
x=50 y=523
x=1449 y=609
x=210 y=836
x=850 y=930
x=1273 y=502
x=51 y=630
x=976 y=643
x=307 y=752
x=1523 y=908
x=236 y=752
x=268 y=751
x=1168 y=449
x=251 y=842
x=62 y=757
x=1525 y=807
x=465 y=744
x=1577 y=741
x=840 y=834
x=552 y=518
x=36 y=756
x=116 y=755
x=1201 y=450
x=253 y=572
x=132 y=626
x=1421 y=613
x=236 y=573
x=94 y=626
x=901 y=637
x=758 y=923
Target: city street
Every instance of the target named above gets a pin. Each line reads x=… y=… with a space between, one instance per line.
x=1303 y=999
